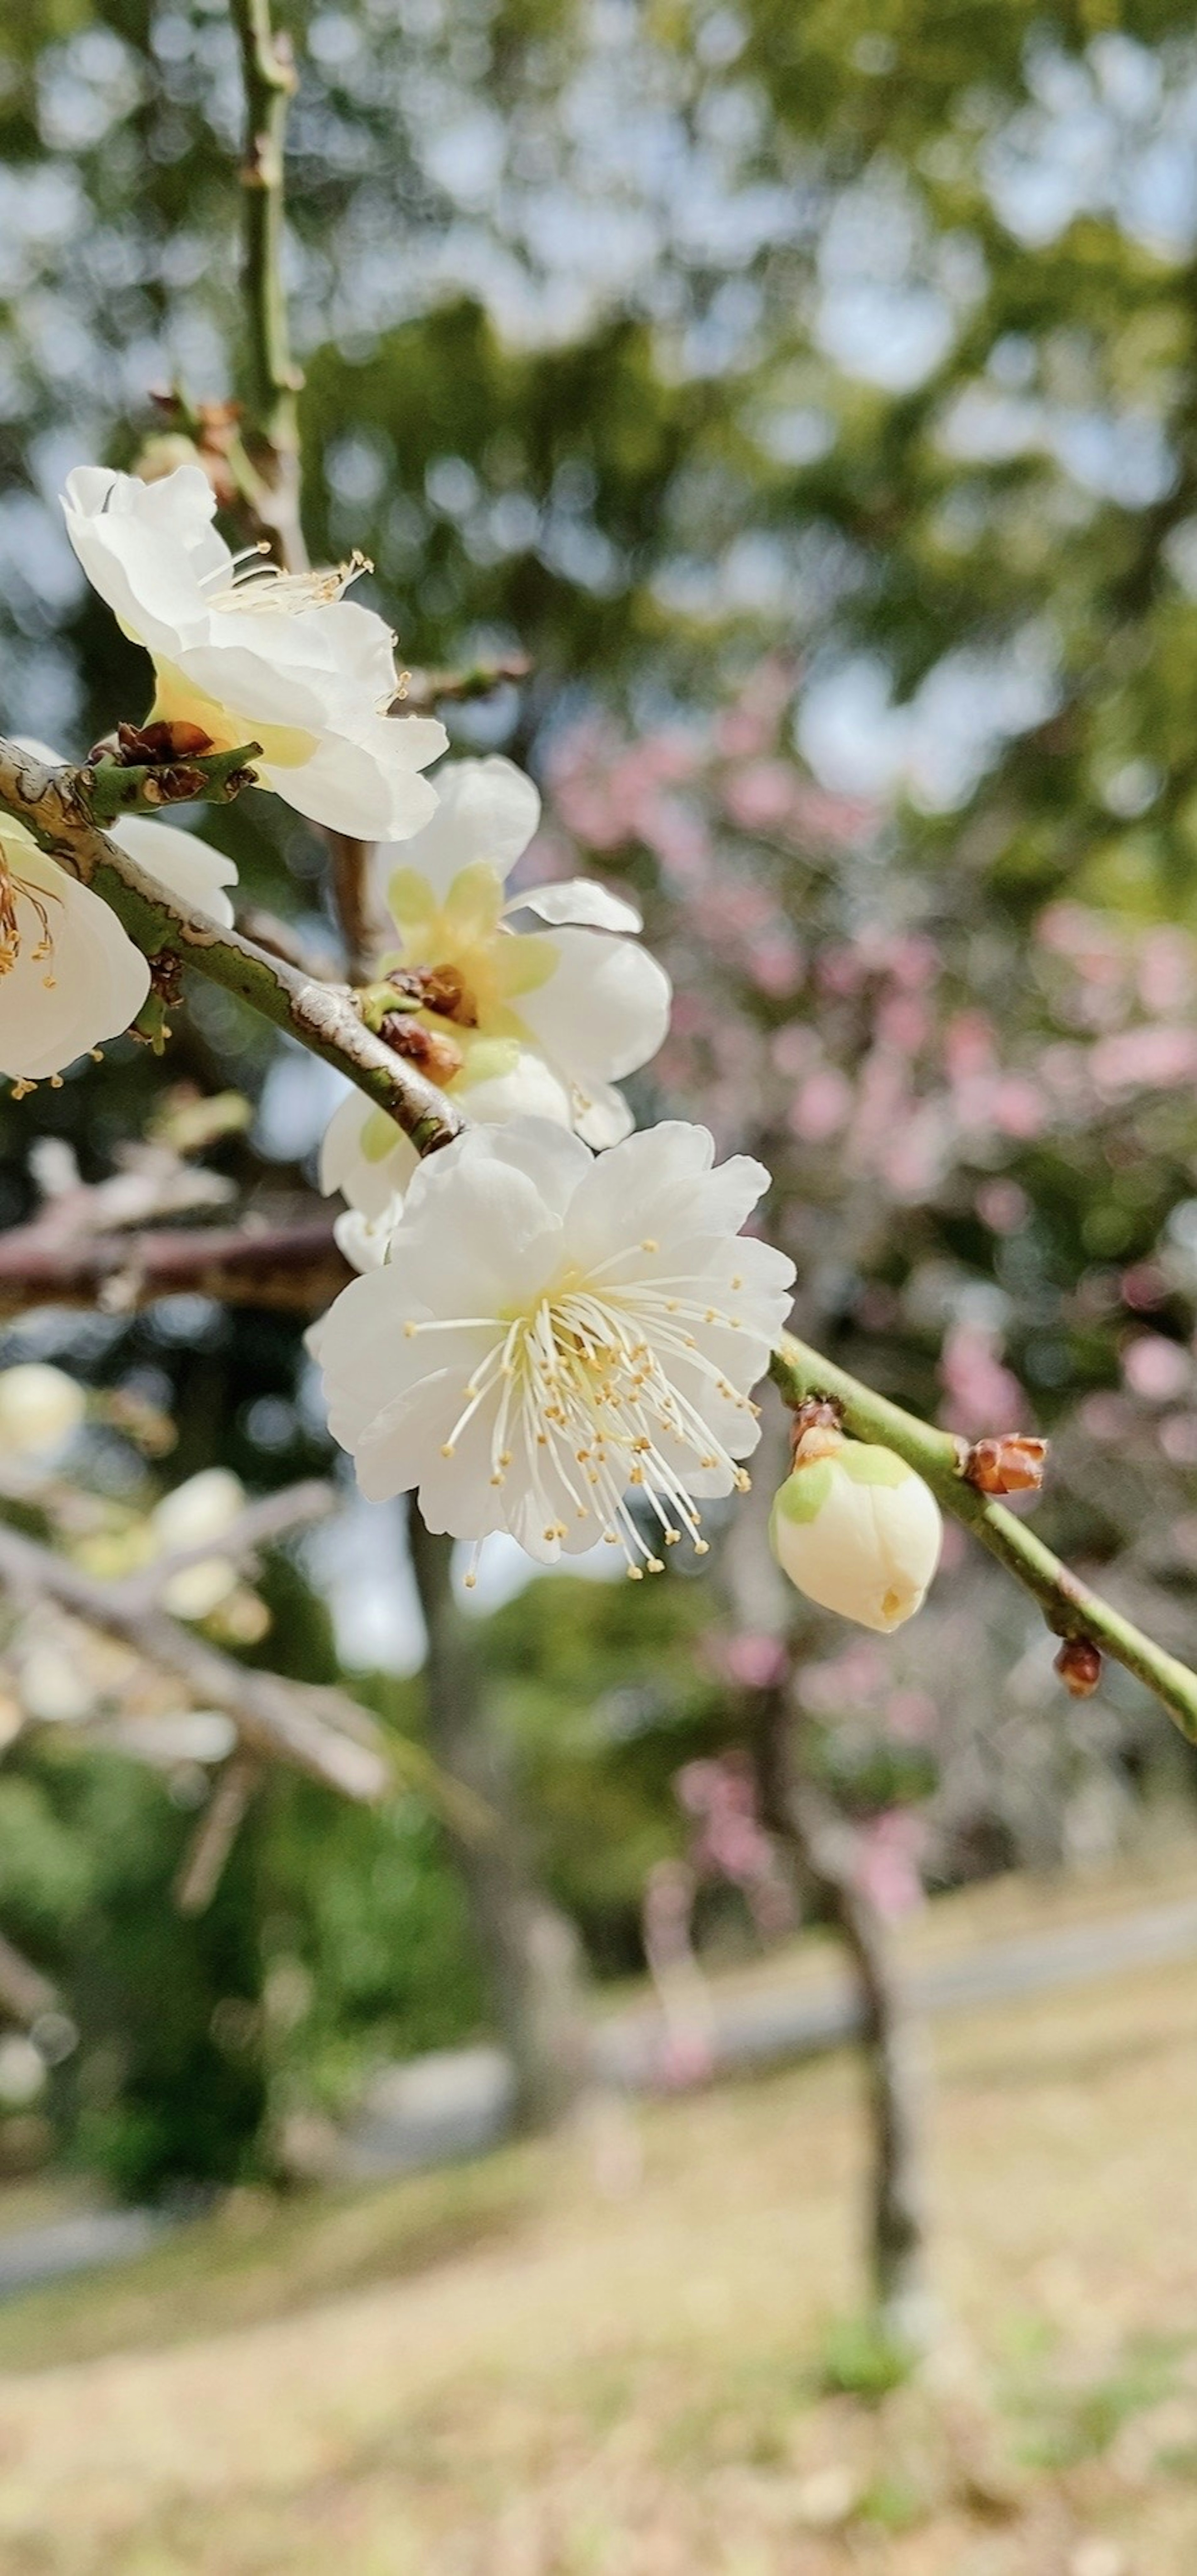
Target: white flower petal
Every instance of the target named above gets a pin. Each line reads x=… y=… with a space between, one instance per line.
x=369 y=1179
x=366 y=1242
x=279 y=662
x=146 y=548
x=492 y=1364
x=530 y=1090
x=604 y=1011
x=580 y=900
x=89 y=985
x=365 y=780
x=486 y=814
x=601 y=1115
x=188 y=867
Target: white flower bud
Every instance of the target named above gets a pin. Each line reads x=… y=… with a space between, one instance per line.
x=857 y=1531
x=203 y=1508
x=40 y=1410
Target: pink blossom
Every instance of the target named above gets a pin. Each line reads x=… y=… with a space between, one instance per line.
x=888 y=1851
x=982 y=1396
x=1106 y=1418
x=775 y=963
x=1143 y=1287
x=853 y=1678
x=904 y=1023
x=759 y=796
x=1003 y=1206
x=1019 y=1108
x=969 y=1046
x=1166 y=964
x=1155 y=1368
x=1178 y=1439
x=754 y=1659
x=822 y=1107
x=1155 y=1059
x=911 y=1716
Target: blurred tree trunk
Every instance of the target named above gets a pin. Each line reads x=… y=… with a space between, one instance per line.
x=805 y=1819
x=530 y=1952
x=823 y=1845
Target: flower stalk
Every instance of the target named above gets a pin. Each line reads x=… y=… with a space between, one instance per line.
x=1071 y=1609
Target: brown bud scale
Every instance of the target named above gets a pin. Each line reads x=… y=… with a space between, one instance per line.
x=1013 y=1463
x=1079 y=1666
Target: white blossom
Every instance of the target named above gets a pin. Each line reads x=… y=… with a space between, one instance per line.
x=69 y=974
x=553 y=1333
x=857 y=1530
x=41 y=1409
x=542 y=1021
x=250 y=654
x=204 y=1507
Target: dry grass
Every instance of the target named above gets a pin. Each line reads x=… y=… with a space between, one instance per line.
x=563 y=2368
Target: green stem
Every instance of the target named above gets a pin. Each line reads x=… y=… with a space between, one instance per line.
x=268 y=72
x=110 y=788
x=1070 y=1608
x=323 y=1017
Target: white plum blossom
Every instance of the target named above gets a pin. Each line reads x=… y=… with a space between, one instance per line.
x=533 y=1022
x=41 y=1409
x=250 y=654
x=856 y=1530
x=69 y=974
x=553 y=1333
x=204 y=1507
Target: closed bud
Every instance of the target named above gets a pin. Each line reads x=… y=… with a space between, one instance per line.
x=1079 y=1666
x=856 y=1530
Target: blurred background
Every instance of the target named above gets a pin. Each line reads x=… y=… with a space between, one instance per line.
x=811 y=397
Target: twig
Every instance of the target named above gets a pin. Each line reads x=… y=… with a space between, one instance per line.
x=297 y=1507
x=274 y=1717
x=283 y=940
x=216 y=1833
x=272 y=424
x=426 y=690
x=361 y=935
x=291 y=1269
x=322 y=1017
x=1070 y=1608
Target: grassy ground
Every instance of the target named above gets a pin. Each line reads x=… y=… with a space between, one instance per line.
x=618 y=2357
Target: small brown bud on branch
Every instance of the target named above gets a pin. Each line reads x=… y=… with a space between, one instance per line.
x=815 y=1414
x=437 y=1055
x=1079 y=1666
x=1011 y=1464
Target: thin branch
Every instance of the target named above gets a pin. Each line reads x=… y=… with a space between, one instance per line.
x=290 y=1269
x=322 y=1732
x=216 y=1833
x=268 y=71
x=424 y=691
x=274 y=1517
x=322 y=1017
x=361 y=933
x=1070 y=1608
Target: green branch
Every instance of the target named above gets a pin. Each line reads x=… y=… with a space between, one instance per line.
x=323 y=1017
x=109 y=788
x=1070 y=1608
x=268 y=71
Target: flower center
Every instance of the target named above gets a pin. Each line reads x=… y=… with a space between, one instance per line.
x=12 y=886
x=590 y=1393
x=257 y=583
